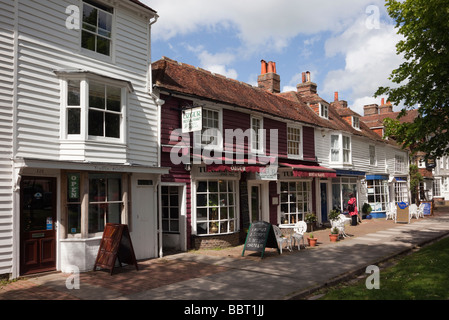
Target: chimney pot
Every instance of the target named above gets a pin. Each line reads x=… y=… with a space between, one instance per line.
x=335 y=96
x=263 y=67
x=270 y=67
x=308 y=76
x=303 y=77
x=382 y=101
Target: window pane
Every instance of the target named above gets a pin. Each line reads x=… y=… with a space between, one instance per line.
x=103 y=45
x=105 y=24
x=113 y=215
x=96 y=218
x=73 y=121
x=96 y=95
x=96 y=123
x=89 y=17
x=97 y=190
x=113 y=98
x=114 y=189
x=74 y=218
x=88 y=40
x=112 y=125
x=73 y=93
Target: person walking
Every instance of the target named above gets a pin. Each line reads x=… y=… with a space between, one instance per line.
x=352 y=208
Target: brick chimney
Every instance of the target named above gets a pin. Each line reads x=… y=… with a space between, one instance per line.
x=385 y=107
x=269 y=80
x=339 y=103
x=307 y=87
x=370 y=109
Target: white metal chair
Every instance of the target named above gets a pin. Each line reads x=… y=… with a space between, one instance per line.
x=391 y=211
x=421 y=210
x=413 y=211
x=281 y=239
x=298 y=233
x=340 y=224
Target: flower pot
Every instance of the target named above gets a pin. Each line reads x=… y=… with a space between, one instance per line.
x=312 y=242
x=333 y=237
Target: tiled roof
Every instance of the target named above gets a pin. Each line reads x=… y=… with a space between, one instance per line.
x=376 y=120
x=189 y=80
x=185 y=79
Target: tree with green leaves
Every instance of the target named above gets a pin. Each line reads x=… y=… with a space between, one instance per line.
x=423 y=78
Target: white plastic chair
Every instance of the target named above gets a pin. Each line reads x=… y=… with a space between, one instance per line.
x=421 y=210
x=391 y=211
x=413 y=211
x=340 y=224
x=299 y=230
x=280 y=239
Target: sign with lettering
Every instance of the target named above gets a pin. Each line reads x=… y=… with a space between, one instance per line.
x=192 y=119
x=115 y=245
x=73 y=181
x=427 y=211
x=260 y=236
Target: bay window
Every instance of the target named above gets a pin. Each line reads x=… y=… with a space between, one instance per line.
x=94 y=108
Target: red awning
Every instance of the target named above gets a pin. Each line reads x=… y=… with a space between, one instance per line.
x=234 y=168
x=304 y=171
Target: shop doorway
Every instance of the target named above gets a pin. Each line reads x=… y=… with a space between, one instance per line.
x=256 y=203
x=37 y=221
x=324 y=206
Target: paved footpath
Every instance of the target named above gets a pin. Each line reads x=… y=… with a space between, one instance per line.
x=226 y=275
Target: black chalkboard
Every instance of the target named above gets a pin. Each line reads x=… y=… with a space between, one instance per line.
x=115 y=245
x=260 y=236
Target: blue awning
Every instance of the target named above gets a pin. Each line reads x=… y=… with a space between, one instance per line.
x=350 y=173
x=376 y=177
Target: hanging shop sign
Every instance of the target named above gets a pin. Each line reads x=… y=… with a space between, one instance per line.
x=192 y=119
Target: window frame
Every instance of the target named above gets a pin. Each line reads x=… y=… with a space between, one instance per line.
x=232 y=222
x=85 y=79
x=300 y=145
x=324 y=110
x=356 y=122
x=302 y=197
x=399 y=163
x=259 y=135
x=198 y=135
x=342 y=151
x=93 y=53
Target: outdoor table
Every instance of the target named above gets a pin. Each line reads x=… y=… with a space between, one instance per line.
x=289 y=230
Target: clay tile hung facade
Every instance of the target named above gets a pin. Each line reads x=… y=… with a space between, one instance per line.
x=184 y=157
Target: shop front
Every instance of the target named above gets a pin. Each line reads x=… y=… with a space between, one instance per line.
x=63 y=208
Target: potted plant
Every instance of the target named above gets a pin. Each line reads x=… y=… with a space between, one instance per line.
x=312 y=240
x=334 y=234
x=366 y=210
x=310 y=218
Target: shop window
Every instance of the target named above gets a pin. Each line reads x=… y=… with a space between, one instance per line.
x=378 y=194
x=105 y=201
x=296 y=200
x=216 y=210
x=170 y=208
x=400 y=191
x=342 y=188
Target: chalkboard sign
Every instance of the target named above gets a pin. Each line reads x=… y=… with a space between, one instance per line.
x=427 y=208
x=115 y=246
x=260 y=236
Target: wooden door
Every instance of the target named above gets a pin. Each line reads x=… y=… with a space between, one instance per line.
x=37 y=221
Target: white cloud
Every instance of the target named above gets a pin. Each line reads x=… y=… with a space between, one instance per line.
x=215 y=62
x=259 y=23
x=370 y=56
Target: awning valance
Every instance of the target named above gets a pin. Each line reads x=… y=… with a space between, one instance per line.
x=304 y=171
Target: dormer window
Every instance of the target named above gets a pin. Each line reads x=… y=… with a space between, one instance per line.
x=324 y=111
x=356 y=122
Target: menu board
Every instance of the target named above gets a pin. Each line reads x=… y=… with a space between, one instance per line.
x=260 y=236
x=402 y=212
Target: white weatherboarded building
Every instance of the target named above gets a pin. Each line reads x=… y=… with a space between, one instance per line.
x=79 y=131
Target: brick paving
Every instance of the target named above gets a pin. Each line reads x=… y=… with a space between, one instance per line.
x=166 y=272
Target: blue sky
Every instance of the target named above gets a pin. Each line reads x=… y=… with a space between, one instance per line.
x=347 y=45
